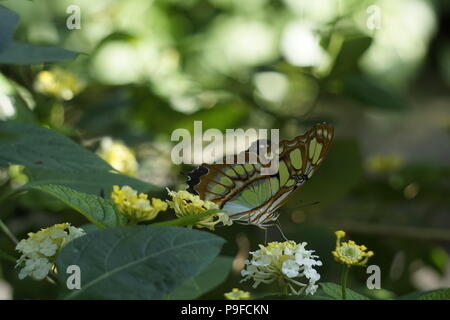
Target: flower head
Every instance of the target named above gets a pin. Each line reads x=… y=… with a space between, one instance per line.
x=185 y=203
x=58 y=83
x=286 y=262
x=119 y=156
x=39 y=249
x=136 y=207
x=349 y=252
x=236 y=294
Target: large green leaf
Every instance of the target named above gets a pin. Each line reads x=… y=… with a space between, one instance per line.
x=8 y=24
x=443 y=294
x=95 y=182
x=97 y=210
x=208 y=279
x=416 y=295
x=36 y=147
x=51 y=158
x=335 y=291
x=19 y=53
x=140 y=262
x=318 y=295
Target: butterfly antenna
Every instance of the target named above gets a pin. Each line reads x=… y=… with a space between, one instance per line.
x=307 y=205
x=281 y=231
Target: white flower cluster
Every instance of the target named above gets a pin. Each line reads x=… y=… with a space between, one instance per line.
x=285 y=262
x=39 y=249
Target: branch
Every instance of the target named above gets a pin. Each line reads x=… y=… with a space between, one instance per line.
x=428 y=234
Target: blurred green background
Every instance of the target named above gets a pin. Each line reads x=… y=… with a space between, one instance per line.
x=379 y=71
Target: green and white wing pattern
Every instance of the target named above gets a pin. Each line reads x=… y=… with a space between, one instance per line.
x=253 y=198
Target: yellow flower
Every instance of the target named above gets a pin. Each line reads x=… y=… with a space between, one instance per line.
x=185 y=203
x=39 y=249
x=136 y=207
x=349 y=253
x=237 y=294
x=119 y=156
x=58 y=83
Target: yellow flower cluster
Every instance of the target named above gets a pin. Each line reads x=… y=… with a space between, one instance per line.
x=119 y=156
x=349 y=253
x=58 y=83
x=185 y=203
x=236 y=294
x=136 y=207
x=39 y=249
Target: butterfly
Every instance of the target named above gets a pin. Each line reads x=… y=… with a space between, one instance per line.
x=250 y=197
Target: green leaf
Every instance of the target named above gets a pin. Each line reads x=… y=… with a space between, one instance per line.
x=443 y=294
x=8 y=24
x=97 y=210
x=335 y=291
x=51 y=158
x=19 y=53
x=412 y=295
x=89 y=227
x=95 y=182
x=371 y=93
x=350 y=50
x=426 y=295
x=208 y=279
x=36 y=147
x=319 y=295
x=140 y=262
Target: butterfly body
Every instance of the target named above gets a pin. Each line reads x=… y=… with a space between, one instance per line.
x=250 y=197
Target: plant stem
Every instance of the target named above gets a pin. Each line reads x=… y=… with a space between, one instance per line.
x=344 y=278
x=411 y=232
x=7 y=257
x=7 y=232
x=284 y=287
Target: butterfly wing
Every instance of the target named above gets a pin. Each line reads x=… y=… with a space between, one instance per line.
x=251 y=197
